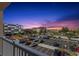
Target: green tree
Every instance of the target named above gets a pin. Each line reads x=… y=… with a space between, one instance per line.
x=65 y=29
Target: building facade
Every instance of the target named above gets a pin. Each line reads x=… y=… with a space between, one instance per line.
x=55 y=28
x=12 y=29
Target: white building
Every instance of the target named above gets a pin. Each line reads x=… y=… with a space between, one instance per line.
x=12 y=28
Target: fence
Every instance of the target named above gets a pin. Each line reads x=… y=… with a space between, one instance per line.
x=14 y=48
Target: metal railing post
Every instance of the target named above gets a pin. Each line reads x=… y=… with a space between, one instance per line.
x=23 y=49
x=13 y=48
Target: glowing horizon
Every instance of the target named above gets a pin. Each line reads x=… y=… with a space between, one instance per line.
x=36 y=14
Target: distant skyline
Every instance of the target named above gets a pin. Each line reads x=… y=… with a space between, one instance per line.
x=30 y=14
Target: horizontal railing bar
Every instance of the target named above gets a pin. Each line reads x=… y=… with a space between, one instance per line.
x=6 y=39
x=25 y=48
x=29 y=49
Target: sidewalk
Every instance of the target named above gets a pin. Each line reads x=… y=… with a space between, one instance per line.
x=48 y=46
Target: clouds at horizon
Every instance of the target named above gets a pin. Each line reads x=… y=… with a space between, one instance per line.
x=35 y=14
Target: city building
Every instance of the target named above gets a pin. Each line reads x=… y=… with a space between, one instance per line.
x=38 y=29
x=12 y=29
x=57 y=28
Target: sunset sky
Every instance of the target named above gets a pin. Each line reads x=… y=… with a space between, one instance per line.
x=35 y=14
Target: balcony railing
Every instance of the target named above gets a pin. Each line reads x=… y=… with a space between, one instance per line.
x=13 y=48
